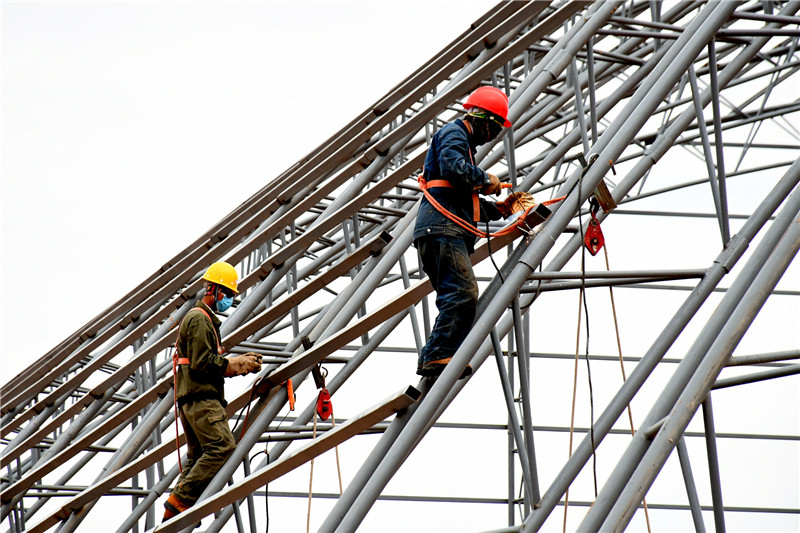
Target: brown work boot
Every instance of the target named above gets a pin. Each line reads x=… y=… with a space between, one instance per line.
x=173 y=507
x=433 y=369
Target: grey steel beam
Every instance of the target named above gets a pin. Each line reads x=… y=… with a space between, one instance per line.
x=525 y=400
x=713 y=178
x=532 y=257
x=724 y=262
x=688 y=367
x=691 y=489
x=720 y=156
x=351 y=428
x=789 y=370
x=522 y=448
x=337 y=381
x=703 y=378
x=713 y=465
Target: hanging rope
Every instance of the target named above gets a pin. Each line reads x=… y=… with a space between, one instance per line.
x=574 y=393
x=622 y=368
x=582 y=300
x=311 y=475
x=175 y=405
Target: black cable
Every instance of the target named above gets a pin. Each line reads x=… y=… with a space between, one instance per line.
x=266 y=496
x=247 y=406
x=266 y=487
x=586 y=313
x=489 y=246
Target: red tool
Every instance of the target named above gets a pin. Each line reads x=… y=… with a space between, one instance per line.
x=324 y=407
x=594 y=236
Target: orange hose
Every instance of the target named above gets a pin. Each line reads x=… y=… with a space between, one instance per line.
x=469 y=227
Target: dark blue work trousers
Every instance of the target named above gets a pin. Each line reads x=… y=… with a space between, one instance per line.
x=445 y=260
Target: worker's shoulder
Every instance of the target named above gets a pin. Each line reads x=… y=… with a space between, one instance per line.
x=453 y=128
x=197 y=316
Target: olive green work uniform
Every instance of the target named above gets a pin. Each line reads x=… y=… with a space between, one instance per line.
x=201 y=401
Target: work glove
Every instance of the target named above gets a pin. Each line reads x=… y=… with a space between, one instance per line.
x=516 y=202
x=240 y=365
x=493 y=187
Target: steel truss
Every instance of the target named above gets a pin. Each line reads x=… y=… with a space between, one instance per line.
x=681 y=103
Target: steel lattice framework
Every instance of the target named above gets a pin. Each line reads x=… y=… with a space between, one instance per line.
x=687 y=110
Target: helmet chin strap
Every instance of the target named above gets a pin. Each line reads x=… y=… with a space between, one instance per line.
x=213 y=290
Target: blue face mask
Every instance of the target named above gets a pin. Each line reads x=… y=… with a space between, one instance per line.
x=224 y=304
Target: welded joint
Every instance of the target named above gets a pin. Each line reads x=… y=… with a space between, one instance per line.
x=733 y=250
x=553 y=68
x=652 y=431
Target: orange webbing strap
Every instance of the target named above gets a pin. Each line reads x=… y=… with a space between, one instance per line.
x=177 y=361
x=423 y=185
x=476 y=204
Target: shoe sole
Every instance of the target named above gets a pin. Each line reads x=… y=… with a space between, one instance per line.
x=435 y=370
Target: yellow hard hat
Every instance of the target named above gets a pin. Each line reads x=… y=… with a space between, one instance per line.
x=223 y=274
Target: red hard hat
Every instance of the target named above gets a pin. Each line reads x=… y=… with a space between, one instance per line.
x=491 y=99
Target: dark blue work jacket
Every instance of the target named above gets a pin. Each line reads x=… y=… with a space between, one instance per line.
x=451 y=157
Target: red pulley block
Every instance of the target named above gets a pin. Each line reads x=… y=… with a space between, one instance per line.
x=324 y=407
x=594 y=236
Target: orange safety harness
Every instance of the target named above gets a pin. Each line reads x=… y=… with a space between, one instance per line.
x=425 y=185
x=177 y=360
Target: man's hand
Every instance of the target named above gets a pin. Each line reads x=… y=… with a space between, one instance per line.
x=493 y=187
x=243 y=364
x=516 y=201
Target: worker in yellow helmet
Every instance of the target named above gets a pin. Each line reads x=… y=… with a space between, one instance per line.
x=199 y=389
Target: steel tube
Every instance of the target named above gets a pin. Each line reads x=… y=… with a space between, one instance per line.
x=720 y=175
x=508 y=395
x=525 y=397
x=615 y=484
x=713 y=465
x=702 y=379
x=691 y=490
x=789 y=370
x=435 y=398
x=352 y=427
x=699 y=294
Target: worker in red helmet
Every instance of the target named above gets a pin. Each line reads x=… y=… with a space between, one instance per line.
x=454 y=181
x=199 y=390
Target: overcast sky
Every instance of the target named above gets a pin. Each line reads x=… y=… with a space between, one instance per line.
x=130 y=128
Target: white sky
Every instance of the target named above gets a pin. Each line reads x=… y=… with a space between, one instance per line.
x=129 y=128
